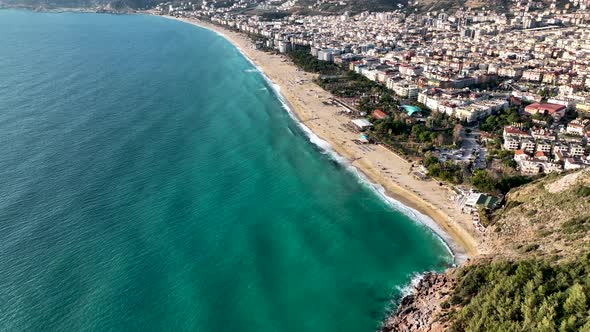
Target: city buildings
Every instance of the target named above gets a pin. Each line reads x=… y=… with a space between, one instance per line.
x=469 y=65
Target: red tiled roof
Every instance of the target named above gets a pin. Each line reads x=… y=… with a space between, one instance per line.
x=549 y=108
x=515 y=100
x=518 y=152
x=515 y=131
x=378 y=114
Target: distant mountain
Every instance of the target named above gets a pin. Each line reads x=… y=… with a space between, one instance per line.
x=302 y=6
x=106 y=4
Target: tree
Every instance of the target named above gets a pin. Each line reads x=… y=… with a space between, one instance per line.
x=482 y=181
x=440 y=139
x=304 y=60
x=457 y=134
x=575 y=304
x=508 y=182
x=530 y=295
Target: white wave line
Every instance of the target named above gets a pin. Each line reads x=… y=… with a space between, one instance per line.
x=413 y=214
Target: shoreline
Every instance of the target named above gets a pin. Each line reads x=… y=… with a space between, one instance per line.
x=424 y=197
x=452 y=227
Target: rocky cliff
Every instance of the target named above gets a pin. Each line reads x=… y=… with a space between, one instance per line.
x=535 y=256
x=421 y=310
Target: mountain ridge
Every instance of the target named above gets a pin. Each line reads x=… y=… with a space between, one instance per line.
x=302 y=6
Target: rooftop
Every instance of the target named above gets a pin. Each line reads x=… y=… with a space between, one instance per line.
x=411 y=109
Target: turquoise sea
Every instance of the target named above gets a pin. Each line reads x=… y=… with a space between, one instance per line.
x=150 y=179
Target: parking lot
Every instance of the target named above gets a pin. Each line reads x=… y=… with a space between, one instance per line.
x=470 y=151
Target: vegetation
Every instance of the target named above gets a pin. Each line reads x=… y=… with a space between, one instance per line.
x=304 y=60
x=411 y=137
x=583 y=191
x=445 y=171
x=495 y=123
x=547 y=93
x=577 y=224
x=540 y=279
x=506 y=157
x=484 y=182
x=354 y=7
x=508 y=182
x=269 y=16
x=531 y=295
x=545 y=119
x=352 y=85
x=484 y=216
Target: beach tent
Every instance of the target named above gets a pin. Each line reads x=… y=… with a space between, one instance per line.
x=361 y=124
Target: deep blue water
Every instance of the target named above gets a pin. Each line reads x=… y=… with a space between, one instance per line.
x=151 y=180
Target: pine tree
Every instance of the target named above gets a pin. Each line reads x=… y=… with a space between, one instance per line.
x=575 y=304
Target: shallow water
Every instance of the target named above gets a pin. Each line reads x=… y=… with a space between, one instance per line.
x=151 y=180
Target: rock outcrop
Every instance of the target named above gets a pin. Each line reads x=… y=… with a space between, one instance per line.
x=421 y=310
x=548 y=219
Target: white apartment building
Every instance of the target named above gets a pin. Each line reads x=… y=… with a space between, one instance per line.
x=561 y=148
x=532 y=75
x=575 y=128
x=511 y=144
x=527 y=145
x=576 y=150
x=404 y=89
x=447 y=108
x=409 y=70
x=432 y=103
x=544 y=147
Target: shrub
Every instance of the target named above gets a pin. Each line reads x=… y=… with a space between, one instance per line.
x=530 y=247
x=532 y=295
x=583 y=191
x=576 y=225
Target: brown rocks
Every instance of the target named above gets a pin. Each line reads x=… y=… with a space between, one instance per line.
x=421 y=310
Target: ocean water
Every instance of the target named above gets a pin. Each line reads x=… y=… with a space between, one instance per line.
x=151 y=180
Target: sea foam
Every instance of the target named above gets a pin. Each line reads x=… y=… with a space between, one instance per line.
x=326 y=148
x=378 y=189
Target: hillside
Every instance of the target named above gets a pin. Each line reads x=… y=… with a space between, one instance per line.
x=97 y=4
x=550 y=217
x=302 y=6
x=532 y=275
x=356 y=6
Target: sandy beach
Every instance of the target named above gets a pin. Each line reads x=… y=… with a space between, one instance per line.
x=378 y=164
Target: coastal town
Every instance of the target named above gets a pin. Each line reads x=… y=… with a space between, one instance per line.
x=478 y=118
x=478 y=100
x=268 y=165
